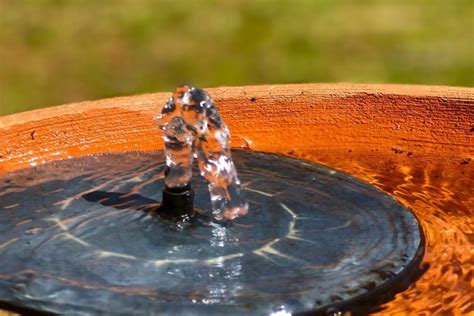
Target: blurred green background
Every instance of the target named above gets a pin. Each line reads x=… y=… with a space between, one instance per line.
x=54 y=52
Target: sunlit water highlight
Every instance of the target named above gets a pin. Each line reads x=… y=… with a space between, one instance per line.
x=98 y=210
x=442 y=196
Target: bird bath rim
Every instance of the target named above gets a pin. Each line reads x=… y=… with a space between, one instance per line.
x=362 y=118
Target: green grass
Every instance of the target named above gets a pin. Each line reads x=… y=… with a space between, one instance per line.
x=54 y=52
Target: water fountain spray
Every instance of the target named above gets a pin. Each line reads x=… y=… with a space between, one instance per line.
x=192 y=129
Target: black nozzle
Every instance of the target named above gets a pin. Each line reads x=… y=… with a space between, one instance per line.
x=177 y=203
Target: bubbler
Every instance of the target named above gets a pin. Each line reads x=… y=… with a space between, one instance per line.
x=193 y=129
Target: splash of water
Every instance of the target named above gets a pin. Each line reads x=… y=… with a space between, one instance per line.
x=192 y=129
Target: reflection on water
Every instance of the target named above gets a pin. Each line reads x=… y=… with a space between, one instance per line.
x=315 y=238
x=442 y=197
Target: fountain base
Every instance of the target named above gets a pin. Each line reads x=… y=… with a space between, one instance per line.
x=177 y=203
x=83 y=236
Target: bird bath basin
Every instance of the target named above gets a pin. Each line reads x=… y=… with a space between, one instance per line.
x=86 y=239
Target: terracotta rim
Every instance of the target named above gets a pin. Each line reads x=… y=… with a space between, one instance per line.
x=324 y=119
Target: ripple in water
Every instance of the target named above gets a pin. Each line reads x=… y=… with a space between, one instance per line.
x=442 y=196
x=97 y=209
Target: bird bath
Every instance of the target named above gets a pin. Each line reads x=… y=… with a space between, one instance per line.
x=88 y=238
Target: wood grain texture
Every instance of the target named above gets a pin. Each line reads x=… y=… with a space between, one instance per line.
x=291 y=119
